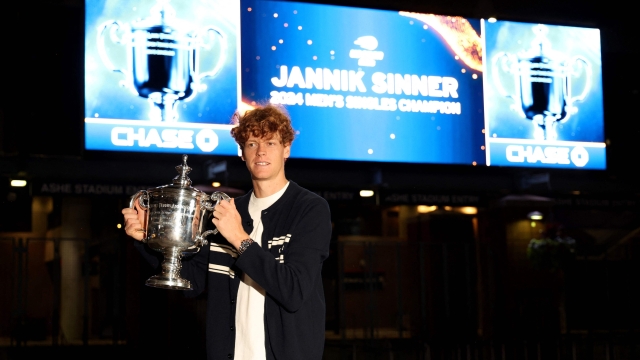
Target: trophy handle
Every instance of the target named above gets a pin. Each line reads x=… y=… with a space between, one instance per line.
x=506 y=65
x=217 y=197
x=143 y=197
x=112 y=26
x=506 y=61
x=587 y=86
x=223 y=54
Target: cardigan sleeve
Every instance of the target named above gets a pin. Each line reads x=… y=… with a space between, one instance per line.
x=194 y=269
x=291 y=282
x=154 y=258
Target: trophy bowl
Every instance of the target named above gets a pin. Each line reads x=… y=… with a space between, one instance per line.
x=176 y=217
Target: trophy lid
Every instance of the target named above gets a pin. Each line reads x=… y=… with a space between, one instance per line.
x=162 y=19
x=182 y=179
x=540 y=51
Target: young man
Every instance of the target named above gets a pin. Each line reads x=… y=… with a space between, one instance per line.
x=263 y=275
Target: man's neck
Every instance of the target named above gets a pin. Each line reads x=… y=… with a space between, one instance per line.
x=266 y=188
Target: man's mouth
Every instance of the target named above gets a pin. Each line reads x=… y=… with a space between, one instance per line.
x=262 y=163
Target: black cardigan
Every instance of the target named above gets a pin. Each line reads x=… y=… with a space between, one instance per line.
x=295 y=243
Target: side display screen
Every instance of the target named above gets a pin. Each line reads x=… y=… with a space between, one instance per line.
x=359 y=84
x=161 y=76
x=543 y=96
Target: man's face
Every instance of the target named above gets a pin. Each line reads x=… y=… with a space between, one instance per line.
x=265 y=157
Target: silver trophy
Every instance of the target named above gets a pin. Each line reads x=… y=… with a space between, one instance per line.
x=163 y=58
x=542 y=80
x=176 y=217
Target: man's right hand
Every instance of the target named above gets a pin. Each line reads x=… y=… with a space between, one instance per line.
x=134 y=222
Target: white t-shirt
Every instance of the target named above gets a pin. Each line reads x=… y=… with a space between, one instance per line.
x=250 y=338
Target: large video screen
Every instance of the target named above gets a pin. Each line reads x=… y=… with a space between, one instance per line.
x=368 y=85
x=359 y=84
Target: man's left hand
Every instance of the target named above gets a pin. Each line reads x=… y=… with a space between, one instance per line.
x=227 y=220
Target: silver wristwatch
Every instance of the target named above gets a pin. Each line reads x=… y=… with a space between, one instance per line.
x=244 y=244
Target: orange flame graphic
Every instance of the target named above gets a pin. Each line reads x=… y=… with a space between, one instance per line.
x=457 y=33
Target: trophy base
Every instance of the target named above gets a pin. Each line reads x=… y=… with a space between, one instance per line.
x=163 y=282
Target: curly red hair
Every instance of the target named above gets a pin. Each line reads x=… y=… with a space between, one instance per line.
x=263 y=122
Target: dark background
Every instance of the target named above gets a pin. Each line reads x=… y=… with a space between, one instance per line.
x=41 y=140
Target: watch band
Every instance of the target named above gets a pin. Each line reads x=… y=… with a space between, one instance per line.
x=244 y=244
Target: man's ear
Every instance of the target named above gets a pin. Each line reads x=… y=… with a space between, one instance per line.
x=287 y=151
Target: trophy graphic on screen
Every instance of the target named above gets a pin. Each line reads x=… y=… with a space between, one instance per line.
x=163 y=57
x=542 y=80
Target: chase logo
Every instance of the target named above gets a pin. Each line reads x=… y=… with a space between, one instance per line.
x=126 y=136
x=578 y=156
x=367 y=54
